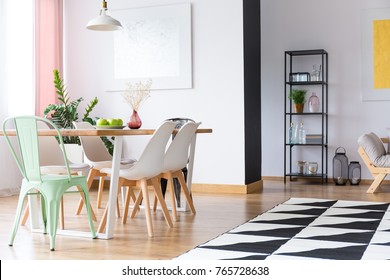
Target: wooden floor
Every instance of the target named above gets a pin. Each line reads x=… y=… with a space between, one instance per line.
x=216 y=214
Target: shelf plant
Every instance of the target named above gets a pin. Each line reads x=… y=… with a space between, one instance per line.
x=298 y=96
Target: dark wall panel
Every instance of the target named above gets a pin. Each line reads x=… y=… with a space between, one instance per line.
x=252 y=90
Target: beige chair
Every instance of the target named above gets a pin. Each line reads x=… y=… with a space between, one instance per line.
x=98 y=157
x=377 y=160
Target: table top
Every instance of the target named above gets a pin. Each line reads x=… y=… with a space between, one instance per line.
x=98 y=132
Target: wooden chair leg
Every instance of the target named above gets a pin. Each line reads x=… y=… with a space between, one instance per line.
x=62 y=220
x=90 y=206
x=25 y=214
x=62 y=215
x=187 y=194
x=144 y=188
x=132 y=195
x=118 y=210
x=127 y=204
x=155 y=198
x=100 y=192
x=129 y=195
x=103 y=221
x=154 y=204
x=158 y=192
x=375 y=186
x=137 y=204
x=91 y=175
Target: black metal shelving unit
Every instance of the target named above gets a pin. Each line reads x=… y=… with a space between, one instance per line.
x=321 y=56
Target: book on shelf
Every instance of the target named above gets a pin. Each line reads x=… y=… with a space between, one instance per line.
x=314 y=138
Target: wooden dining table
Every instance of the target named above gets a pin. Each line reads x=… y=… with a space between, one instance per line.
x=118 y=135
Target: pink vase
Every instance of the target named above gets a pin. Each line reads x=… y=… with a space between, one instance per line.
x=134 y=122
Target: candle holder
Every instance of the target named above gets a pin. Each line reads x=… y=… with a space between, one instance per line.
x=312 y=167
x=354 y=173
x=340 y=167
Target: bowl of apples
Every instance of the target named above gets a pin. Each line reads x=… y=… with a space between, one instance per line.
x=110 y=123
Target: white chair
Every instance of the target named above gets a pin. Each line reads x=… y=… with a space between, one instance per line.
x=51 y=162
x=98 y=157
x=175 y=160
x=146 y=169
x=176 y=184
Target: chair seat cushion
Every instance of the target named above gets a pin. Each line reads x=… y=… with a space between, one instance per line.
x=61 y=169
x=125 y=163
x=375 y=149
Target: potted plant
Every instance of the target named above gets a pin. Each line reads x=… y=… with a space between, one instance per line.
x=65 y=112
x=298 y=97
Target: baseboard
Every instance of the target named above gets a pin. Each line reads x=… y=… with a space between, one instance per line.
x=209 y=188
x=330 y=180
x=294 y=179
x=228 y=189
x=272 y=178
x=242 y=189
x=9 y=192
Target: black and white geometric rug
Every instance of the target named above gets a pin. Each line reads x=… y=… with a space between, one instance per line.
x=305 y=228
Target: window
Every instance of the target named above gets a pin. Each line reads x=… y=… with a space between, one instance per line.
x=19 y=57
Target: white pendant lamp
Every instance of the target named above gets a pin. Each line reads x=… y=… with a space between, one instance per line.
x=104 y=22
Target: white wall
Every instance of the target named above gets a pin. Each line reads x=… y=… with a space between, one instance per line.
x=216 y=98
x=333 y=25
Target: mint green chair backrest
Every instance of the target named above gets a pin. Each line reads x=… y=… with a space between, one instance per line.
x=27 y=157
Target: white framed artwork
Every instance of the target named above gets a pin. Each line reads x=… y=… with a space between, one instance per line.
x=155 y=43
x=375 y=26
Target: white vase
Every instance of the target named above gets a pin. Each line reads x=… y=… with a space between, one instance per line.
x=314 y=103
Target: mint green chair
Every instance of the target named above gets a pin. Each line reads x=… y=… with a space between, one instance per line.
x=50 y=187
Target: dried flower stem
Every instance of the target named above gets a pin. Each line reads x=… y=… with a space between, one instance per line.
x=136 y=94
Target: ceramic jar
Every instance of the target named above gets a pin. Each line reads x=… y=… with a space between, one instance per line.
x=312 y=167
x=301 y=167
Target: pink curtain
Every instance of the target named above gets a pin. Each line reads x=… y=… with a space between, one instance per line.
x=48 y=50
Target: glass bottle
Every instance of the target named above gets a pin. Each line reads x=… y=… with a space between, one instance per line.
x=302 y=135
x=319 y=73
x=314 y=74
x=314 y=103
x=296 y=134
x=291 y=134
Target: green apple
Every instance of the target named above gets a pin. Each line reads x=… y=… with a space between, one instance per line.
x=101 y=121
x=111 y=121
x=115 y=122
x=120 y=122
